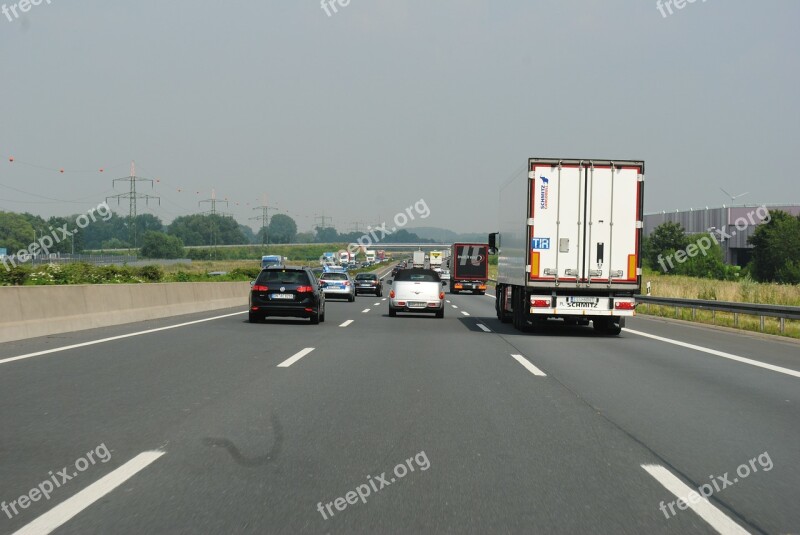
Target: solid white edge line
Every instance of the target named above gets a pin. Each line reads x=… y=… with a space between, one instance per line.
x=730 y=356
x=528 y=366
x=484 y=328
x=465 y=313
x=490 y=295
x=63 y=512
x=346 y=323
x=294 y=358
x=111 y=339
x=704 y=509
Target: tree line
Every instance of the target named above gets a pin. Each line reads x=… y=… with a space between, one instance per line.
x=154 y=239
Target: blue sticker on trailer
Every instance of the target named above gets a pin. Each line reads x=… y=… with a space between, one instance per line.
x=540 y=243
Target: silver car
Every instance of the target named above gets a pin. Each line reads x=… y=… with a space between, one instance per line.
x=417 y=290
x=338 y=284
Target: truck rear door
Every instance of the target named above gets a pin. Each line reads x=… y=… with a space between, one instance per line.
x=585 y=223
x=471 y=262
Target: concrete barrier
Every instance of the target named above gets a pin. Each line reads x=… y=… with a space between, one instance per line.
x=31 y=311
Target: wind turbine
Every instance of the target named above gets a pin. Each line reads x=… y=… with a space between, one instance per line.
x=734 y=197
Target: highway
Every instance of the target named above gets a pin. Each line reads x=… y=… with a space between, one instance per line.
x=215 y=425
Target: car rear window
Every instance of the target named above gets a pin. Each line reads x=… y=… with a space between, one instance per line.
x=417 y=276
x=284 y=277
x=334 y=276
x=366 y=277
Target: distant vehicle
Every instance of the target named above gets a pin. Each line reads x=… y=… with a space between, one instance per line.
x=395 y=270
x=469 y=267
x=581 y=260
x=327 y=259
x=370 y=255
x=332 y=268
x=338 y=283
x=369 y=283
x=417 y=290
x=380 y=255
x=292 y=292
x=435 y=258
x=268 y=261
x=445 y=274
x=418 y=259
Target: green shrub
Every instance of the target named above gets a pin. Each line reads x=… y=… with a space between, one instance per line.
x=14 y=275
x=151 y=273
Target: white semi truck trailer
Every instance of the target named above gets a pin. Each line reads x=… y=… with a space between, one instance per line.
x=569 y=244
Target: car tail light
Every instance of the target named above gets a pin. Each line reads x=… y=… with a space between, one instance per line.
x=441 y=295
x=541 y=303
x=309 y=309
x=625 y=305
x=391 y=294
x=401 y=303
x=259 y=288
x=347 y=283
x=304 y=289
x=253 y=308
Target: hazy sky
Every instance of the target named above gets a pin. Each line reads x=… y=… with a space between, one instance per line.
x=359 y=114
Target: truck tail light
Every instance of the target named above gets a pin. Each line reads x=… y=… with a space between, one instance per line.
x=458 y=286
x=625 y=305
x=260 y=288
x=540 y=303
x=482 y=287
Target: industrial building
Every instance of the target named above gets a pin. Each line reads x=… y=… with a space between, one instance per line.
x=732 y=225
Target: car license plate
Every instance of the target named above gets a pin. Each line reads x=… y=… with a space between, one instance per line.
x=583 y=299
x=282 y=296
x=417 y=304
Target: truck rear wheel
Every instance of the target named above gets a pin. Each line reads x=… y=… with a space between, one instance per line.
x=518 y=315
x=608 y=326
x=500 y=306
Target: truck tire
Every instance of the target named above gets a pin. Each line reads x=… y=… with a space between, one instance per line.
x=607 y=326
x=500 y=306
x=518 y=315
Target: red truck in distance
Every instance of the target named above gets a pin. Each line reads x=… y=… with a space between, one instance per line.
x=469 y=267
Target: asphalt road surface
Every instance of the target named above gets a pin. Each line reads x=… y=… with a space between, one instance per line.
x=371 y=424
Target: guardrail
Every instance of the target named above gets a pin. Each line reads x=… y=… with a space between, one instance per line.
x=782 y=312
